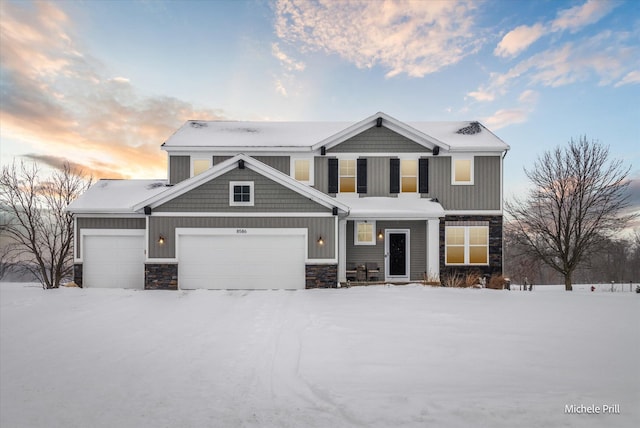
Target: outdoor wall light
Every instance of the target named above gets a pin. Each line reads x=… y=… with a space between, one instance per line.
x=320 y=241
x=380 y=235
x=161 y=240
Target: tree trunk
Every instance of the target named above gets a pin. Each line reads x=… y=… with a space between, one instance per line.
x=567 y=283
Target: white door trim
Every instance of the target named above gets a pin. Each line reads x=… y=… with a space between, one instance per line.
x=387 y=276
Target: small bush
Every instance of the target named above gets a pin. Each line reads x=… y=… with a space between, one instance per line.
x=497 y=282
x=454 y=279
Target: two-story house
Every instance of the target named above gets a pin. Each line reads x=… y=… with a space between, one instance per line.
x=299 y=205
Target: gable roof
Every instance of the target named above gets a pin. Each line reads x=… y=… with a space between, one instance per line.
x=228 y=165
x=238 y=136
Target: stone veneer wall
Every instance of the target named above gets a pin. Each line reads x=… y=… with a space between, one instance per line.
x=163 y=276
x=321 y=276
x=77 y=274
x=495 y=247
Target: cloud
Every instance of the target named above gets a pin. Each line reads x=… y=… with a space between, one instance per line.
x=288 y=62
x=630 y=78
x=518 y=39
x=61 y=100
x=405 y=37
x=572 y=19
x=505 y=117
x=579 y=16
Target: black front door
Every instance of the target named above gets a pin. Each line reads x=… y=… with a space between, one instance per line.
x=398 y=254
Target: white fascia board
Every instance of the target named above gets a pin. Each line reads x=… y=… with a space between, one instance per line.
x=473 y=212
x=310 y=214
x=235 y=149
x=106 y=214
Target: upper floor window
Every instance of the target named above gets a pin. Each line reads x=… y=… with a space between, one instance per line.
x=347 y=175
x=462 y=171
x=409 y=175
x=241 y=193
x=200 y=166
x=467 y=245
x=302 y=170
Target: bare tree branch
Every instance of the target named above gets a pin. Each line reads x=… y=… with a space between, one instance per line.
x=577 y=202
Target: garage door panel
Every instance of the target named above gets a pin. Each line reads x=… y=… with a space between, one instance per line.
x=113 y=261
x=242 y=262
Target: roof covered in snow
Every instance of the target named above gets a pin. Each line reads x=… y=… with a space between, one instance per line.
x=116 y=196
x=393 y=208
x=301 y=136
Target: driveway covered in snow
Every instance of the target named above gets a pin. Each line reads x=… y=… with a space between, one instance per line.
x=371 y=356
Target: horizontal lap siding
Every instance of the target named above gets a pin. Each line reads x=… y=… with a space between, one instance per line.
x=269 y=196
x=105 y=223
x=166 y=226
x=483 y=195
x=378 y=140
x=375 y=253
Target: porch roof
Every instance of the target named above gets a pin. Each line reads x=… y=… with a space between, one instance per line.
x=408 y=208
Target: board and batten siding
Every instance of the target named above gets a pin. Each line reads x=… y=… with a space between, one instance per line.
x=360 y=254
x=378 y=172
x=105 y=223
x=378 y=140
x=316 y=226
x=281 y=163
x=269 y=196
x=321 y=173
x=484 y=194
x=179 y=168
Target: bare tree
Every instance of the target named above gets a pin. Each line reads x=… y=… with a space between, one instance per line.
x=577 y=201
x=40 y=229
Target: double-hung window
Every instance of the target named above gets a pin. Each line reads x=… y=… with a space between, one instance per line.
x=347 y=175
x=201 y=165
x=364 y=233
x=467 y=245
x=409 y=175
x=241 y=193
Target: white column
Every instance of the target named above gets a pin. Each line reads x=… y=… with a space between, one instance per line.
x=342 y=250
x=433 y=247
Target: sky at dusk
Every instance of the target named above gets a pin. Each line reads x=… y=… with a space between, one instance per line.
x=103 y=84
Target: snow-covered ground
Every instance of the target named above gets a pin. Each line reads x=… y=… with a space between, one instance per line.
x=364 y=357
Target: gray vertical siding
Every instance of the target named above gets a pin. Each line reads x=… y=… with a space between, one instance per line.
x=378 y=171
x=375 y=253
x=179 y=168
x=269 y=196
x=484 y=194
x=281 y=163
x=105 y=223
x=317 y=226
x=378 y=140
x=321 y=173
x=218 y=159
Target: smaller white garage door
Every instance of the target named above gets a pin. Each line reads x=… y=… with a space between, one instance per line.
x=258 y=259
x=113 y=261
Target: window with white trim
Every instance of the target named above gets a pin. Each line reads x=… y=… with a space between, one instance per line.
x=364 y=233
x=409 y=175
x=461 y=171
x=467 y=245
x=200 y=166
x=241 y=193
x=302 y=170
x=347 y=175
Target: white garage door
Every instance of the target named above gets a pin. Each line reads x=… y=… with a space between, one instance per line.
x=113 y=261
x=268 y=260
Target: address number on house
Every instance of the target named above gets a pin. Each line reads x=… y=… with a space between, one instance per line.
x=241 y=231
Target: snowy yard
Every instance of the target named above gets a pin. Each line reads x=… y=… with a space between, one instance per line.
x=363 y=357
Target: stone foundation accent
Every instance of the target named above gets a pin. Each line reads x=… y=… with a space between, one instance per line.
x=77 y=274
x=321 y=276
x=495 y=247
x=162 y=276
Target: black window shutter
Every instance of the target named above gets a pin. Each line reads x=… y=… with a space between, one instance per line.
x=423 y=175
x=362 y=175
x=394 y=179
x=333 y=176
